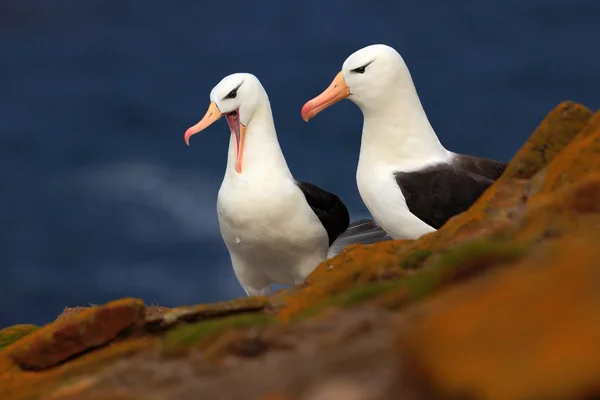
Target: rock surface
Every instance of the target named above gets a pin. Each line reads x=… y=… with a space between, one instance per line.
x=76 y=333
x=503 y=302
x=13 y=333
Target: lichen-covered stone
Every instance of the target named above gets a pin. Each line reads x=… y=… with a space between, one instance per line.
x=356 y=264
x=69 y=311
x=13 y=333
x=16 y=384
x=183 y=338
x=458 y=263
x=529 y=331
x=555 y=132
x=75 y=334
x=153 y=312
x=579 y=158
x=202 y=311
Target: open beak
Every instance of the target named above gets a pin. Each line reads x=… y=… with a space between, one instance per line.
x=338 y=90
x=239 y=132
x=235 y=126
x=212 y=115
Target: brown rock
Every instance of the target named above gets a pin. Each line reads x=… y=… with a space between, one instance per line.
x=153 y=312
x=75 y=334
x=305 y=360
x=169 y=317
x=276 y=397
x=68 y=311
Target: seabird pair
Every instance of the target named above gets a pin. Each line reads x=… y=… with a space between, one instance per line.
x=278 y=229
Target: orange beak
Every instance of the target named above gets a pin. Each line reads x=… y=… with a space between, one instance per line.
x=212 y=115
x=338 y=90
x=237 y=130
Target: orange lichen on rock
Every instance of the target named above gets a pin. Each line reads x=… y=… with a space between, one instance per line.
x=69 y=311
x=530 y=332
x=354 y=265
x=581 y=157
x=72 y=389
x=16 y=384
x=13 y=333
x=74 y=334
x=555 y=132
x=549 y=216
x=504 y=201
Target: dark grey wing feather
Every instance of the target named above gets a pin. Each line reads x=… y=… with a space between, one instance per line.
x=328 y=207
x=438 y=193
x=363 y=231
x=486 y=167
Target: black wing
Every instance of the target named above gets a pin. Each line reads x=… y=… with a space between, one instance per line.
x=486 y=167
x=332 y=212
x=438 y=193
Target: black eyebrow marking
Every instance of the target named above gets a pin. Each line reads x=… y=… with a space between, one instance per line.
x=367 y=64
x=363 y=66
x=234 y=89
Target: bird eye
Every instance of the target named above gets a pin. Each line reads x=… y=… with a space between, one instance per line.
x=360 y=70
x=232 y=94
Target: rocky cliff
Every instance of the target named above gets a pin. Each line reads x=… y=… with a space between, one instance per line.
x=501 y=303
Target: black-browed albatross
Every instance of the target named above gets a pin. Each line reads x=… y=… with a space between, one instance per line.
x=408 y=181
x=277 y=229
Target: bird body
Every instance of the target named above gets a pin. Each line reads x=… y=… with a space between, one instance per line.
x=276 y=229
x=410 y=183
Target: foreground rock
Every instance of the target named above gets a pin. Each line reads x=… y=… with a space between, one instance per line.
x=503 y=302
x=13 y=333
x=75 y=334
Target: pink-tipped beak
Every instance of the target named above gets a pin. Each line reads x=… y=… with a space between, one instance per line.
x=338 y=90
x=212 y=115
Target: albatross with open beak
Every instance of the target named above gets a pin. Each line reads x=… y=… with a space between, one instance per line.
x=277 y=229
x=408 y=181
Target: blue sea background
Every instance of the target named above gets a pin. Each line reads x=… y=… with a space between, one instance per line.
x=100 y=197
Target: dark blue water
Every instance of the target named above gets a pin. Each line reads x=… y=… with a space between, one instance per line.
x=100 y=198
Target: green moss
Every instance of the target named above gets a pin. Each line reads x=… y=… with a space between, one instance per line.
x=415 y=258
x=13 y=333
x=184 y=337
x=456 y=263
x=362 y=293
x=486 y=252
x=352 y=296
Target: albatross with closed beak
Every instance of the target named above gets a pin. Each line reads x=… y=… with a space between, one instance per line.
x=408 y=181
x=277 y=229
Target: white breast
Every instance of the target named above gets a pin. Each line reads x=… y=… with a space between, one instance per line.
x=270 y=230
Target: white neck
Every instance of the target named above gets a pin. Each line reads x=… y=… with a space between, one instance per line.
x=262 y=155
x=397 y=132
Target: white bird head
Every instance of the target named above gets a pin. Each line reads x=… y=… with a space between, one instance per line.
x=368 y=78
x=236 y=96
